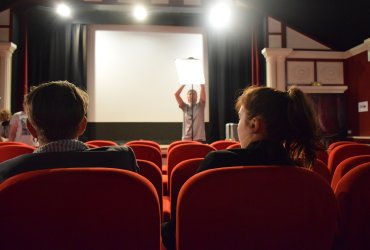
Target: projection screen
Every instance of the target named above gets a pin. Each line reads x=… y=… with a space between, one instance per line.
x=132 y=73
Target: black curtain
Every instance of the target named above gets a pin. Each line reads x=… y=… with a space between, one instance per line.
x=230 y=67
x=56 y=49
x=19 y=65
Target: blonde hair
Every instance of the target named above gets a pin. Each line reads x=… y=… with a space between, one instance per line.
x=5 y=115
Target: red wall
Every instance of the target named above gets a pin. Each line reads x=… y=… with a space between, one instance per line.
x=357 y=76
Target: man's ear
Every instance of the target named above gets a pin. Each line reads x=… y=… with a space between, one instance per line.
x=31 y=129
x=82 y=126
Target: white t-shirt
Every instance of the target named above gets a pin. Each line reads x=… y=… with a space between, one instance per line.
x=193 y=122
x=19 y=120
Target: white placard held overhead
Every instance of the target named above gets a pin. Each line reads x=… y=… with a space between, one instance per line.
x=190 y=71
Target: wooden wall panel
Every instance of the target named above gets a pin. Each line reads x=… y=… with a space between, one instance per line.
x=357 y=76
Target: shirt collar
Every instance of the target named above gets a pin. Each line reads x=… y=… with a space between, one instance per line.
x=62 y=146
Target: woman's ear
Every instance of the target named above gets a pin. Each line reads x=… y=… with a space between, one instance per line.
x=256 y=124
x=82 y=126
x=31 y=129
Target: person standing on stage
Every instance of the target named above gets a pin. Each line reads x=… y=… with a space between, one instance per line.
x=193 y=119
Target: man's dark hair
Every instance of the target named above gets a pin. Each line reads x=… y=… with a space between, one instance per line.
x=56 y=109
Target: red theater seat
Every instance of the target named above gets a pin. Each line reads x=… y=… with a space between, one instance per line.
x=148 y=153
x=8 y=152
x=151 y=171
x=322 y=169
x=101 y=143
x=145 y=142
x=257 y=207
x=223 y=144
x=338 y=143
x=184 y=152
x=353 y=195
x=180 y=174
x=345 y=166
x=342 y=152
x=236 y=145
x=79 y=208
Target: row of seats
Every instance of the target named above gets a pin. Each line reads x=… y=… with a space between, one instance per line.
x=150 y=151
x=253 y=207
x=186 y=168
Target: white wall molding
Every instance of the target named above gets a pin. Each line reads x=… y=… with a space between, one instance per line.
x=275 y=67
x=318 y=54
x=6 y=52
x=365 y=46
x=321 y=89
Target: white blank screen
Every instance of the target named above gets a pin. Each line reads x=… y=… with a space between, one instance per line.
x=132 y=74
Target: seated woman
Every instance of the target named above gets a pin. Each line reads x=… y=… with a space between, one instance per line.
x=275 y=128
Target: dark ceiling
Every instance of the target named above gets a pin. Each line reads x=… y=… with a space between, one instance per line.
x=339 y=24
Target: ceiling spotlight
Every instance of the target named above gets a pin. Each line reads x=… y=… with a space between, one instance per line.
x=220 y=15
x=63 y=10
x=140 y=13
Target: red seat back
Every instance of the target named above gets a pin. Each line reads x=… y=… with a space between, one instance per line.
x=145 y=142
x=80 y=208
x=353 y=195
x=345 y=166
x=175 y=143
x=186 y=151
x=342 y=152
x=236 y=145
x=322 y=169
x=338 y=143
x=6 y=143
x=148 y=153
x=151 y=171
x=8 y=152
x=322 y=155
x=101 y=143
x=223 y=144
x=257 y=207
x=180 y=174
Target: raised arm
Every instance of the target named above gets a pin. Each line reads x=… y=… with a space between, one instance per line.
x=178 y=96
x=202 y=93
x=12 y=131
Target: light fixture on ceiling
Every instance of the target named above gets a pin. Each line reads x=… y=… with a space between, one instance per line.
x=140 y=13
x=63 y=10
x=220 y=14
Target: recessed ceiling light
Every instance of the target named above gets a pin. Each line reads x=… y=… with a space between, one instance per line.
x=220 y=15
x=63 y=10
x=140 y=13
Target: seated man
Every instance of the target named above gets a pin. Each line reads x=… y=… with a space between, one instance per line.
x=56 y=118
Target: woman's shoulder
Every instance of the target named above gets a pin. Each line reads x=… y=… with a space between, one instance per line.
x=221 y=158
x=227 y=153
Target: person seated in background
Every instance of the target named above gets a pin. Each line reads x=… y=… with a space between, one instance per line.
x=18 y=130
x=56 y=118
x=275 y=128
x=5 y=116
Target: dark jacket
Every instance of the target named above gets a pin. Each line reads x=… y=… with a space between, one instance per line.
x=256 y=153
x=110 y=157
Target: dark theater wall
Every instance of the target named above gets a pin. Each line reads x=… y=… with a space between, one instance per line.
x=357 y=76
